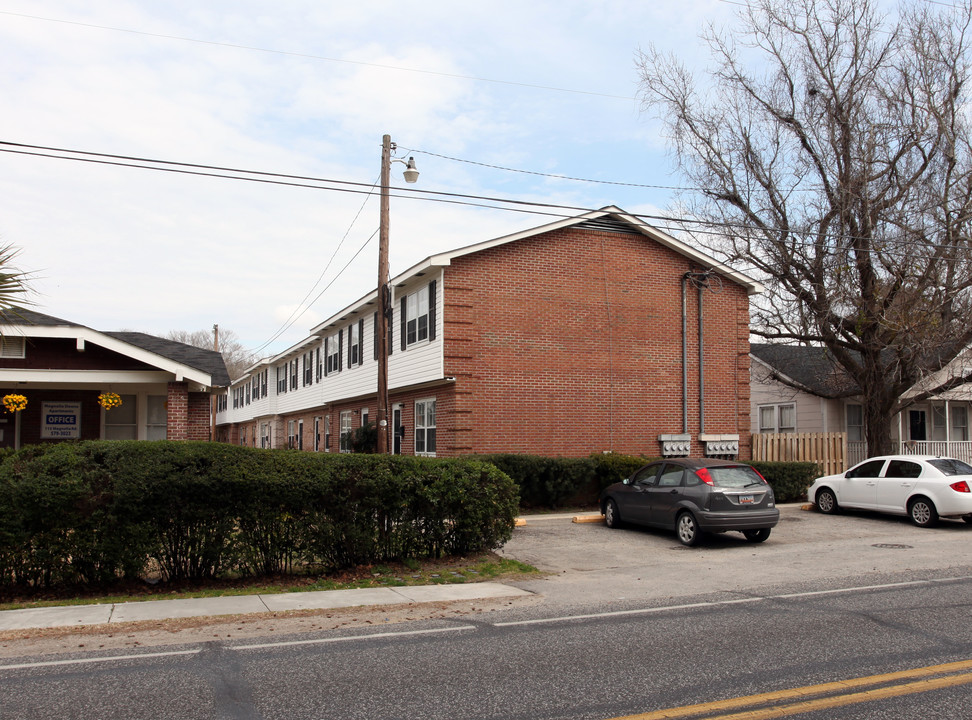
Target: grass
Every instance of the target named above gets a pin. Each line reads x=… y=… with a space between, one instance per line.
x=487 y=566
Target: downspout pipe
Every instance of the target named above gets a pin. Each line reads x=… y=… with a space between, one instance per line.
x=684 y=359
x=701 y=282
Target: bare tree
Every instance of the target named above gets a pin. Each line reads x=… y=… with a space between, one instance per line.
x=829 y=148
x=237 y=357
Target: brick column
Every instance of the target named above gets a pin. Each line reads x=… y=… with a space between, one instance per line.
x=177 y=416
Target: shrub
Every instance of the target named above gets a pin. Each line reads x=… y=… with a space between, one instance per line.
x=90 y=512
x=789 y=480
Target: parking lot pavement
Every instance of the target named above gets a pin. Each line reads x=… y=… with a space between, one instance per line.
x=589 y=562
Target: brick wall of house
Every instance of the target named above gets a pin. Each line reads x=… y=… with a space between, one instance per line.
x=198 y=426
x=177 y=411
x=570 y=342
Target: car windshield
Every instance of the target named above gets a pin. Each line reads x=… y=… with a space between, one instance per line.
x=734 y=476
x=951 y=466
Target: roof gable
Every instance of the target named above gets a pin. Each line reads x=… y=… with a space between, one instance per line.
x=808 y=368
x=184 y=361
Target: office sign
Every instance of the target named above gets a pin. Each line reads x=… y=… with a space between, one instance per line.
x=60 y=420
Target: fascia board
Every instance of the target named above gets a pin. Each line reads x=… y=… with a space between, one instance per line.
x=84 y=334
x=85 y=377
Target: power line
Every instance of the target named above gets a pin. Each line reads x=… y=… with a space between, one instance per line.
x=348 y=186
x=309 y=56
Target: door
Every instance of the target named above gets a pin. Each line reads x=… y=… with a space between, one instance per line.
x=917 y=425
x=896 y=484
x=8 y=429
x=635 y=500
x=397 y=430
x=859 y=488
x=665 y=494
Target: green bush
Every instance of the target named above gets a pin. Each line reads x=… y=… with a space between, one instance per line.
x=91 y=512
x=789 y=480
x=549 y=482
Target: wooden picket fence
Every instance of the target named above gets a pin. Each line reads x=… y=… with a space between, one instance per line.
x=828 y=450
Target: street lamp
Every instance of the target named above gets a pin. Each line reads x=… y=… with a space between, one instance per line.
x=384 y=293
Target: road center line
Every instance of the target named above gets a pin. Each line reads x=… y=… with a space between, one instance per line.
x=806 y=694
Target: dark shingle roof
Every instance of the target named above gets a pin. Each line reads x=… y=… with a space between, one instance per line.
x=207 y=361
x=23 y=316
x=811 y=367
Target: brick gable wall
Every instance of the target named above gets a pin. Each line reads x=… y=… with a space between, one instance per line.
x=570 y=342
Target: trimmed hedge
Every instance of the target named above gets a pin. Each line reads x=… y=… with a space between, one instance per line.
x=789 y=480
x=91 y=512
x=552 y=482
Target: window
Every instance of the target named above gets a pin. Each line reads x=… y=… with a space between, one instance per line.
x=319 y=373
x=425 y=427
x=12 y=347
x=345 y=438
x=264 y=435
x=120 y=423
x=364 y=416
x=671 y=476
x=870 y=469
x=263 y=383
x=418 y=316
x=281 y=379
x=646 y=476
x=960 y=422
x=902 y=469
x=156 y=418
x=777 y=418
x=939 y=423
x=332 y=349
x=300 y=434
x=308 y=368
x=247 y=394
x=291 y=434
x=327 y=433
x=317 y=433
x=355 y=344
x=243 y=435
x=855 y=423
x=293 y=374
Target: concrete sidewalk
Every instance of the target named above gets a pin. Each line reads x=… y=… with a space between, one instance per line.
x=110 y=613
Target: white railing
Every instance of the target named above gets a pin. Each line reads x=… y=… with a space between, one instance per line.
x=961 y=450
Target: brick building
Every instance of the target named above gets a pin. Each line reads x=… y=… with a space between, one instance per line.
x=61 y=368
x=579 y=336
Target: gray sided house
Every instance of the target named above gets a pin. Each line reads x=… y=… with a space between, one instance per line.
x=797 y=389
x=70 y=375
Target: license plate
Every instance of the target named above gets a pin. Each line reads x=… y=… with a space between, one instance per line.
x=746 y=499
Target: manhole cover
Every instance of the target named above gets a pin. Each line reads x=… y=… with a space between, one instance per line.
x=892 y=546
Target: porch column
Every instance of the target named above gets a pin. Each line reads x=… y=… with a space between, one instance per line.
x=177 y=411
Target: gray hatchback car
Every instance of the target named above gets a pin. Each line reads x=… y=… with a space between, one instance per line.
x=692 y=497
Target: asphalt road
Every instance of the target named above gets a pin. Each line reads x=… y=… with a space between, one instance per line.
x=630 y=624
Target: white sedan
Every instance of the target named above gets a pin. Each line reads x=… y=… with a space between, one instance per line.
x=923 y=487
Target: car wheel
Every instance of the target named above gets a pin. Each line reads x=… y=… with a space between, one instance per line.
x=687 y=529
x=612 y=518
x=826 y=501
x=967 y=518
x=757 y=536
x=922 y=512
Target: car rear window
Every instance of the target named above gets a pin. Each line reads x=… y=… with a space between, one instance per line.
x=734 y=476
x=951 y=466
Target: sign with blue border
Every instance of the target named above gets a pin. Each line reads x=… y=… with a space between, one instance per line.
x=60 y=420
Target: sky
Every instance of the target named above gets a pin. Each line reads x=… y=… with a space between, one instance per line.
x=493 y=100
